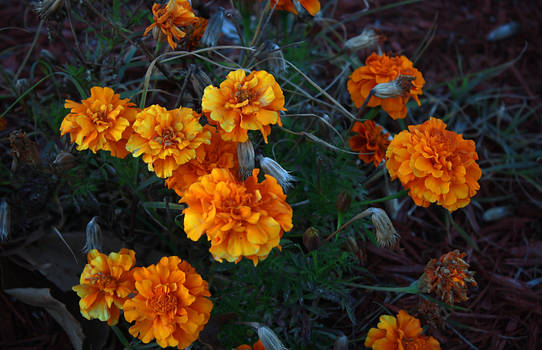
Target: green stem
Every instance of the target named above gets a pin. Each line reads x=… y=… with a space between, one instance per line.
x=339 y=219
x=383 y=199
x=121 y=337
x=412 y=289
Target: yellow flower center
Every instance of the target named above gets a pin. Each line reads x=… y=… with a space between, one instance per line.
x=163 y=301
x=244 y=94
x=101 y=281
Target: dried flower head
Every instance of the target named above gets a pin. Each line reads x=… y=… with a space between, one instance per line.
x=64 y=161
x=397 y=87
x=197 y=30
x=45 y=8
x=386 y=235
x=167 y=138
x=369 y=38
x=101 y=122
x=369 y=141
x=245 y=154
x=384 y=69
x=105 y=284
x=23 y=148
x=169 y=19
x=401 y=333
x=269 y=339
x=217 y=154
x=434 y=164
x=241 y=219
x=171 y=303
x=448 y=277
x=312 y=6
x=93 y=234
x=272 y=168
x=244 y=103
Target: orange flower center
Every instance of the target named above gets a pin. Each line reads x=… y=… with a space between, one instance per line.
x=163 y=301
x=101 y=281
x=244 y=94
x=167 y=139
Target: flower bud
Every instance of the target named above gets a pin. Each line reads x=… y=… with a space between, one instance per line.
x=199 y=79
x=270 y=53
x=64 y=161
x=21 y=85
x=5 y=220
x=311 y=239
x=386 y=235
x=93 y=236
x=269 y=339
x=368 y=38
x=400 y=86
x=245 y=155
x=343 y=202
x=271 y=167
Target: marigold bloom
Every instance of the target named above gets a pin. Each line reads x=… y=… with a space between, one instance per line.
x=101 y=122
x=448 y=277
x=369 y=139
x=257 y=346
x=169 y=19
x=244 y=103
x=171 y=303
x=312 y=6
x=435 y=164
x=167 y=139
x=217 y=154
x=383 y=69
x=401 y=333
x=241 y=219
x=105 y=284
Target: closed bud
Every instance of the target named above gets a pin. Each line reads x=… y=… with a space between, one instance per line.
x=271 y=167
x=343 y=202
x=400 y=86
x=93 y=236
x=311 y=239
x=200 y=80
x=5 y=220
x=21 y=85
x=269 y=339
x=46 y=8
x=351 y=245
x=158 y=36
x=64 y=161
x=214 y=28
x=270 y=53
x=245 y=155
x=386 y=235
x=341 y=343
x=369 y=38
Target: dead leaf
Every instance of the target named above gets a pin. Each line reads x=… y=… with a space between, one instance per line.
x=41 y=297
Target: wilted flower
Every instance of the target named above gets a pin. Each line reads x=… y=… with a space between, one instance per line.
x=197 y=30
x=448 y=277
x=368 y=38
x=45 y=8
x=101 y=122
x=171 y=303
x=401 y=333
x=434 y=164
x=312 y=6
x=23 y=148
x=271 y=167
x=167 y=139
x=93 y=234
x=105 y=284
x=384 y=69
x=386 y=235
x=169 y=19
x=241 y=219
x=369 y=141
x=217 y=154
x=244 y=103
x=245 y=154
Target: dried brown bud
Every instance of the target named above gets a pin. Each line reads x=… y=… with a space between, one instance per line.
x=343 y=202
x=269 y=339
x=64 y=161
x=400 y=86
x=369 y=38
x=386 y=235
x=23 y=148
x=93 y=236
x=311 y=239
x=245 y=154
x=46 y=8
x=271 y=167
x=199 y=79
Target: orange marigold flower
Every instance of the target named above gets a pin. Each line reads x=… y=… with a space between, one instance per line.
x=448 y=277
x=371 y=142
x=105 y=284
x=169 y=19
x=257 y=346
x=167 y=139
x=244 y=103
x=217 y=154
x=435 y=164
x=241 y=219
x=401 y=333
x=101 y=122
x=312 y=6
x=384 y=69
x=171 y=303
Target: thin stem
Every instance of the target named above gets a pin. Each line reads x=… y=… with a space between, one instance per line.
x=38 y=31
x=383 y=199
x=412 y=289
x=121 y=337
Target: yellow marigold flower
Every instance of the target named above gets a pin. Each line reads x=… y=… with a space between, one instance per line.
x=101 y=122
x=105 y=284
x=217 y=154
x=401 y=333
x=370 y=141
x=435 y=164
x=384 y=69
x=171 y=303
x=167 y=139
x=169 y=19
x=241 y=219
x=244 y=103
x=448 y=277
x=257 y=346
